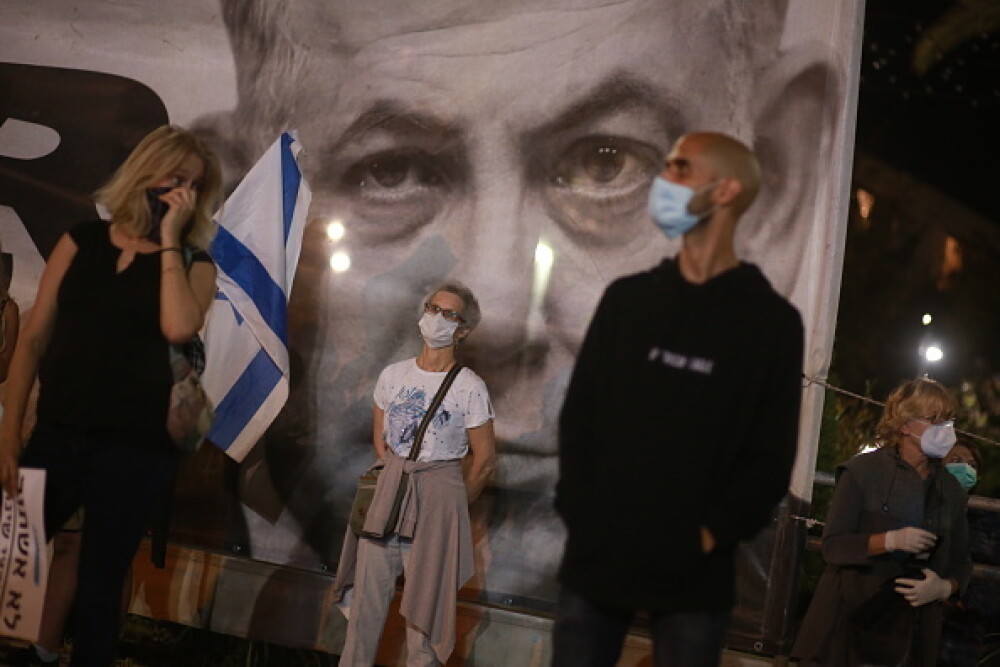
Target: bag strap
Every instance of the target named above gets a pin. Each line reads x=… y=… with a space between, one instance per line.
x=193 y=351
x=435 y=404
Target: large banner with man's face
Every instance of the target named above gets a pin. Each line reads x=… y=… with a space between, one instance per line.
x=508 y=145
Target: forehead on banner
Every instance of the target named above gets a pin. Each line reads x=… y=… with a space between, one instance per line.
x=292 y=56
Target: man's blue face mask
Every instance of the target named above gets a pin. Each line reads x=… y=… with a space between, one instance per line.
x=668 y=206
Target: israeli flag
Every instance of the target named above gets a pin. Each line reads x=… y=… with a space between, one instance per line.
x=256 y=249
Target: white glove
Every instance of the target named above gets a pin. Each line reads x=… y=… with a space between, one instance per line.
x=909 y=539
x=919 y=592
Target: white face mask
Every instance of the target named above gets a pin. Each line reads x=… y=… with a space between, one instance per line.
x=937 y=439
x=437 y=331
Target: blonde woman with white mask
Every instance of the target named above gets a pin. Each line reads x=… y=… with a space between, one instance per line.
x=896 y=541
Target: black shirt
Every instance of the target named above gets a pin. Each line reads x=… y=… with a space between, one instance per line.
x=682 y=412
x=106 y=368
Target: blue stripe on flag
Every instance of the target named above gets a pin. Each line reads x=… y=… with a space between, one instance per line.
x=290 y=177
x=243 y=400
x=246 y=270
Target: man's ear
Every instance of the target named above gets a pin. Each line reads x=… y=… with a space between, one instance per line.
x=795 y=125
x=727 y=191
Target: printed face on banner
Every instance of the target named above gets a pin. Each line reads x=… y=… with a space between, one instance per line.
x=512 y=151
x=509 y=145
x=511 y=148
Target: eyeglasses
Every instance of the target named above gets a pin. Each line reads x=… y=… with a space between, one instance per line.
x=936 y=422
x=451 y=315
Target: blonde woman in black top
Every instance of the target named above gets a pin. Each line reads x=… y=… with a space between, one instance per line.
x=111 y=300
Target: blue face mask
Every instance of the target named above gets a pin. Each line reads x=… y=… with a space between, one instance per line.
x=668 y=206
x=964 y=473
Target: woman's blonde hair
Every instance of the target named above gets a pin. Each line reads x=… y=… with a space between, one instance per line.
x=157 y=156
x=920 y=398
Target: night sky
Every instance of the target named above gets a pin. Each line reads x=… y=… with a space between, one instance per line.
x=941 y=129
x=942 y=126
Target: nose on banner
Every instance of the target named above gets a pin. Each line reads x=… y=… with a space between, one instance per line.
x=496 y=256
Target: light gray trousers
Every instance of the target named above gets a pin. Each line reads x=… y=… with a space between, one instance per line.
x=380 y=562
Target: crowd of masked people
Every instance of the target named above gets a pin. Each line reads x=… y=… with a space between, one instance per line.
x=659 y=389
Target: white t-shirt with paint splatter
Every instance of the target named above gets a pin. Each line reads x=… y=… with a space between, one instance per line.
x=404 y=392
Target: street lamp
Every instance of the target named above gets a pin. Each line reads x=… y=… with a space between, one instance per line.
x=933 y=354
x=930 y=354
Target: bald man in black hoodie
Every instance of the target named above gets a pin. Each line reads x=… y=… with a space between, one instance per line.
x=678 y=433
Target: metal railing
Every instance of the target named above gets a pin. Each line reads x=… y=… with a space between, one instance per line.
x=975 y=502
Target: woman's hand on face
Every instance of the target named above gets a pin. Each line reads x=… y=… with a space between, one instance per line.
x=181 y=202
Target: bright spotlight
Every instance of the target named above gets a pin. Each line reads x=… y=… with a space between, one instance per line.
x=926 y=319
x=340 y=261
x=543 y=256
x=933 y=353
x=335 y=230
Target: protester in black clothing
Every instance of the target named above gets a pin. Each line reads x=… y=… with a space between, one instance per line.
x=111 y=300
x=678 y=432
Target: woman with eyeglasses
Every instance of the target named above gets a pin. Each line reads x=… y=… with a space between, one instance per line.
x=431 y=540
x=896 y=541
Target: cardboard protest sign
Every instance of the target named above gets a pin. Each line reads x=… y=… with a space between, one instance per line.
x=24 y=563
